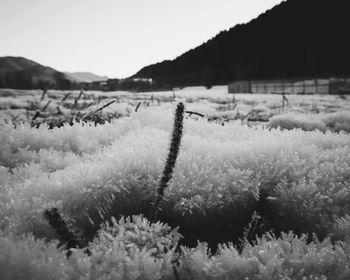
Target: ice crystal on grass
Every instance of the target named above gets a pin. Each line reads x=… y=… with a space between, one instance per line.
x=338 y=121
x=218 y=177
x=293 y=121
x=134 y=248
x=137 y=232
x=222 y=175
x=27 y=258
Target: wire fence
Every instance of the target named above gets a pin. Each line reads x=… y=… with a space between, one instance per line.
x=316 y=86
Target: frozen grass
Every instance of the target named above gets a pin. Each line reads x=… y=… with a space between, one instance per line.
x=338 y=121
x=297 y=180
x=136 y=249
x=214 y=103
x=292 y=121
x=222 y=173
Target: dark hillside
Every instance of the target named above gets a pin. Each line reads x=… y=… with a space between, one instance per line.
x=22 y=73
x=297 y=38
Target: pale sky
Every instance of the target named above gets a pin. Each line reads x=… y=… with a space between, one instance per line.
x=115 y=37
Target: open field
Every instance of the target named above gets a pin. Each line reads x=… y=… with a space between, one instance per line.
x=267 y=177
x=55 y=107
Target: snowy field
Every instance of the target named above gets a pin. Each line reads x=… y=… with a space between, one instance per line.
x=260 y=188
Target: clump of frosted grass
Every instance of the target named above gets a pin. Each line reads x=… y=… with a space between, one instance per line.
x=219 y=175
x=291 y=121
x=134 y=248
x=13 y=103
x=338 y=121
x=136 y=232
x=23 y=144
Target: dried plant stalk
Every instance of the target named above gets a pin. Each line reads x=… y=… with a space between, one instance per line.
x=172 y=156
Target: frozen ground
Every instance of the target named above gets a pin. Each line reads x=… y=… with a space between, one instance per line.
x=270 y=179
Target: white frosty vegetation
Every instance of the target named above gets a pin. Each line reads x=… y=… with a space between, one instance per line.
x=93 y=173
x=338 y=121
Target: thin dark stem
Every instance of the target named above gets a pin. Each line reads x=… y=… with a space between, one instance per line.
x=194 y=113
x=96 y=111
x=172 y=156
x=138 y=106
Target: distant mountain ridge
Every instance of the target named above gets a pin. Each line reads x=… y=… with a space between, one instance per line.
x=297 y=38
x=22 y=73
x=85 y=77
x=13 y=64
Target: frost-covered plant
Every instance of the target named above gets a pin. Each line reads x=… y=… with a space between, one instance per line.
x=287 y=257
x=24 y=258
x=130 y=248
x=13 y=103
x=136 y=232
x=338 y=121
x=172 y=156
x=342 y=229
x=134 y=248
x=292 y=121
x=218 y=178
x=295 y=257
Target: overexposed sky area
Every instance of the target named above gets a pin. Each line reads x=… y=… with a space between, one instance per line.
x=115 y=37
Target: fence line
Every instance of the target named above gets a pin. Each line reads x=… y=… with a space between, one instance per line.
x=316 y=86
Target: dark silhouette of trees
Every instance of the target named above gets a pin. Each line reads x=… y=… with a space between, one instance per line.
x=295 y=39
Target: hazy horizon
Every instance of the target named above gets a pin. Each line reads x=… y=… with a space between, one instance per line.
x=115 y=38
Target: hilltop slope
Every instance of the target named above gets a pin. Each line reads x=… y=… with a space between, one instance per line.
x=297 y=38
x=22 y=73
x=85 y=77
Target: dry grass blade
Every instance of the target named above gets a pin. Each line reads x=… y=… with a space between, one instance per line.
x=46 y=105
x=246 y=116
x=59 y=112
x=43 y=95
x=14 y=118
x=285 y=100
x=66 y=96
x=194 y=113
x=138 y=106
x=27 y=114
x=80 y=94
x=36 y=115
x=98 y=110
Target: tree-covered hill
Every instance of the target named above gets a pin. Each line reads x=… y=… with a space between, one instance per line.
x=297 y=38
